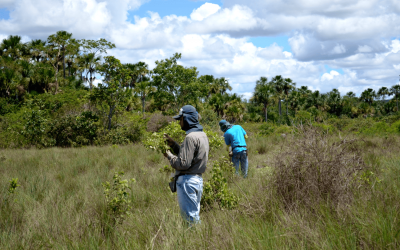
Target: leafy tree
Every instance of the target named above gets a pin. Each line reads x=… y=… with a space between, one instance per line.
x=112 y=92
x=174 y=83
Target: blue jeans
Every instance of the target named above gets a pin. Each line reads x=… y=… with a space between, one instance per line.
x=241 y=158
x=189 y=189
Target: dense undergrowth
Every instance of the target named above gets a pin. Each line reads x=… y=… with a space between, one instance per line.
x=60 y=202
x=71 y=119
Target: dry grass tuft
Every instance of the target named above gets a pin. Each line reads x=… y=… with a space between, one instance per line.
x=314 y=168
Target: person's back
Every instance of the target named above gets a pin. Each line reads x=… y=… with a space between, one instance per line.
x=235 y=137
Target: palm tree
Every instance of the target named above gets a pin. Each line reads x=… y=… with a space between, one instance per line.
x=234 y=108
x=368 y=96
x=12 y=47
x=350 y=94
x=263 y=94
x=36 y=48
x=278 y=83
x=143 y=88
x=383 y=92
x=304 y=93
x=335 y=102
x=90 y=63
x=138 y=71
x=293 y=100
x=219 y=85
x=395 y=90
x=287 y=86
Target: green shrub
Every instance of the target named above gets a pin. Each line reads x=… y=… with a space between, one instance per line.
x=117 y=198
x=214 y=139
x=132 y=129
x=376 y=128
x=339 y=123
x=216 y=189
x=267 y=129
x=326 y=128
x=395 y=127
x=35 y=128
x=303 y=117
x=74 y=131
x=13 y=185
x=283 y=129
x=8 y=106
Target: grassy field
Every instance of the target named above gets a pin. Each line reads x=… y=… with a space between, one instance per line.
x=60 y=203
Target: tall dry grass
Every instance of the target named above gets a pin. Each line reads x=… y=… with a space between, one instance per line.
x=60 y=203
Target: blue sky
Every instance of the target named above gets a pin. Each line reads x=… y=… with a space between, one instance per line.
x=4 y=13
x=170 y=7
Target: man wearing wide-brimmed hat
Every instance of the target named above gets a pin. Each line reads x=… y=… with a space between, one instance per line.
x=190 y=162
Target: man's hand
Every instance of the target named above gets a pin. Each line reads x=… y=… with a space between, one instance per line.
x=230 y=153
x=166 y=154
x=169 y=140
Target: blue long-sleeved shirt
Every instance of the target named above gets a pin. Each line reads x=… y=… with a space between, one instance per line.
x=235 y=137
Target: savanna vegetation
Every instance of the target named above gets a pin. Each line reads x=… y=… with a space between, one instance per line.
x=82 y=166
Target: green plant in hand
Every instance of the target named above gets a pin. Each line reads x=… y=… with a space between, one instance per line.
x=156 y=141
x=116 y=194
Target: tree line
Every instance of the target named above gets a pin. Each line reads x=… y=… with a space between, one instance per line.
x=63 y=62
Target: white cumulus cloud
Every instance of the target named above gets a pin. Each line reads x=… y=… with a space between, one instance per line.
x=204 y=11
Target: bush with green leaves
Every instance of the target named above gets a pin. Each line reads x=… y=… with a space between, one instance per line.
x=131 y=129
x=117 y=197
x=214 y=139
x=74 y=131
x=36 y=127
x=216 y=189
